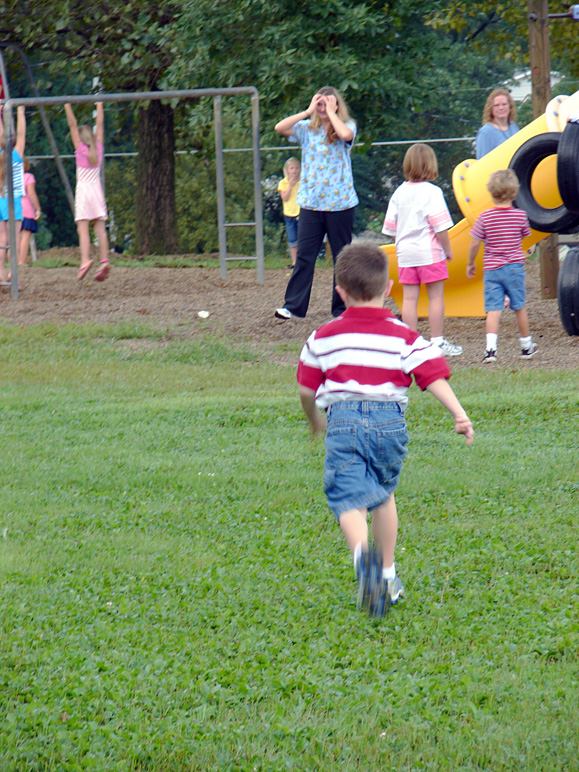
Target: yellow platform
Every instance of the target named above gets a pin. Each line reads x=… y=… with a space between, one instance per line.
x=462 y=296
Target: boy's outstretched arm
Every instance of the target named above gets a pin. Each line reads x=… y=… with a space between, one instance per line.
x=443 y=392
x=308 y=400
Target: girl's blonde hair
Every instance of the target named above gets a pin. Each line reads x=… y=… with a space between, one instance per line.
x=420 y=164
x=487 y=114
x=503 y=186
x=342 y=113
x=86 y=135
x=288 y=162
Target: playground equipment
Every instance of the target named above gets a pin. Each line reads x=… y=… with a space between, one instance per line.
x=568 y=292
x=539 y=193
x=41 y=111
x=141 y=96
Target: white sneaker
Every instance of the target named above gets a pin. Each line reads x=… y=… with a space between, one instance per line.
x=527 y=353
x=449 y=349
x=283 y=313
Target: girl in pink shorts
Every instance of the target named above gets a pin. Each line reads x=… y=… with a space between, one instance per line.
x=418 y=219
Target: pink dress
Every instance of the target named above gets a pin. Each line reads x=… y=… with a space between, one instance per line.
x=89 y=200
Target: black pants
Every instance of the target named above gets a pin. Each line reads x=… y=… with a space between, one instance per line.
x=312 y=227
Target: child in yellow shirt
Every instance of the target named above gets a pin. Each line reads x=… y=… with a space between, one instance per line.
x=288 y=191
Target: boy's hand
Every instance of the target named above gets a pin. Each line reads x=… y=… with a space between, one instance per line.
x=462 y=425
x=318 y=426
x=470 y=271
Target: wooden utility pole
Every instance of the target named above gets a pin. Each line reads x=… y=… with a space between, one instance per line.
x=540 y=60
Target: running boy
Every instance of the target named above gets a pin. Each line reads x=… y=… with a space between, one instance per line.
x=502 y=229
x=359 y=368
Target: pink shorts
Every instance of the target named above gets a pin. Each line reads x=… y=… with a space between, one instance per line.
x=423 y=274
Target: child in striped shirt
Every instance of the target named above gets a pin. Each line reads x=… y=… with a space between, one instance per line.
x=502 y=229
x=358 y=368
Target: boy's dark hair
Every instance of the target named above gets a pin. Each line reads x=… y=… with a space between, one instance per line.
x=362 y=270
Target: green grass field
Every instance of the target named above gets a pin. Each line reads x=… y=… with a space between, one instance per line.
x=176 y=595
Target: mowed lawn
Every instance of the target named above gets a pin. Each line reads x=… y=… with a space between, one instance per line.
x=177 y=596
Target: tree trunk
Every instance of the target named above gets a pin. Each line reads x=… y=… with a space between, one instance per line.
x=156 y=218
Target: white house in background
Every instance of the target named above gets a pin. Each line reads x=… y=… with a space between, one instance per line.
x=520 y=86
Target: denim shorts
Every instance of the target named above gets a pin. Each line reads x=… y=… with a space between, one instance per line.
x=291 y=229
x=508 y=280
x=365 y=445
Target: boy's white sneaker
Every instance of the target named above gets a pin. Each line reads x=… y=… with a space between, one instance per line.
x=283 y=313
x=394 y=590
x=527 y=353
x=450 y=349
x=490 y=356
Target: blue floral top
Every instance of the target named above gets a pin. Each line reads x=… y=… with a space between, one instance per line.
x=326 y=182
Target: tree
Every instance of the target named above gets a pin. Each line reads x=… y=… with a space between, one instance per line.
x=128 y=45
x=503 y=28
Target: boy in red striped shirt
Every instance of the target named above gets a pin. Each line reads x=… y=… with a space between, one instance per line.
x=359 y=367
x=502 y=229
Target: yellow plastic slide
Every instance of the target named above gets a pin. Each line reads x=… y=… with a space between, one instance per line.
x=462 y=296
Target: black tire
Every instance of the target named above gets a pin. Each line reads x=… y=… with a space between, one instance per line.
x=524 y=163
x=568 y=166
x=568 y=292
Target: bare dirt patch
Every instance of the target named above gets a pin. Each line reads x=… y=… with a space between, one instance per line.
x=240 y=309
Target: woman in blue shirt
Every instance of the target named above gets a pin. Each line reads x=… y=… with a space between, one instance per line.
x=326 y=197
x=499 y=116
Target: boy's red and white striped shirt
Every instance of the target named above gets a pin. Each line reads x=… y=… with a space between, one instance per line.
x=366 y=353
x=502 y=229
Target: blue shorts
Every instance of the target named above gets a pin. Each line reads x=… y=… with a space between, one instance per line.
x=291 y=229
x=4 y=208
x=365 y=445
x=506 y=281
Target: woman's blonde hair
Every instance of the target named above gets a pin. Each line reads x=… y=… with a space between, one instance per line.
x=487 y=114
x=420 y=164
x=86 y=135
x=503 y=186
x=288 y=162
x=342 y=113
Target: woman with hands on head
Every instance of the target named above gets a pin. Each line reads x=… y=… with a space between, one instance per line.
x=327 y=198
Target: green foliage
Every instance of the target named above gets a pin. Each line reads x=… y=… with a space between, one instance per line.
x=128 y=44
x=503 y=27
x=173 y=602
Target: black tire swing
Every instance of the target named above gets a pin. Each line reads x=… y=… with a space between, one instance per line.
x=524 y=162
x=567 y=166
x=568 y=180
x=568 y=292
x=562 y=219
